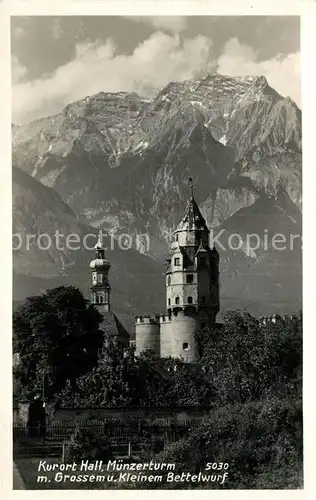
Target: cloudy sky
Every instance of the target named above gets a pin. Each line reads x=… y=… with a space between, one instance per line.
x=57 y=60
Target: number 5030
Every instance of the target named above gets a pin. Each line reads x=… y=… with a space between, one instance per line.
x=216 y=466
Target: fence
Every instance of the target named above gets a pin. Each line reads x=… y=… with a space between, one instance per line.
x=61 y=431
x=122 y=438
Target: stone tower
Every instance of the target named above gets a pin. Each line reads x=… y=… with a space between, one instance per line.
x=192 y=286
x=147 y=334
x=100 y=296
x=192 y=292
x=100 y=288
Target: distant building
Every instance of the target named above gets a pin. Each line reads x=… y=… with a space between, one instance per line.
x=100 y=296
x=192 y=292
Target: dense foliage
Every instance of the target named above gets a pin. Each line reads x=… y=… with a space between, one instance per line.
x=249 y=361
x=249 y=375
x=242 y=361
x=57 y=337
x=261 y=442
x=83 y=444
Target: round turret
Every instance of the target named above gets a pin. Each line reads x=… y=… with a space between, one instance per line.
x=177 y=336
x=147 y=333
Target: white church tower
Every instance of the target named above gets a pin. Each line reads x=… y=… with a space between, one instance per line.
x=100 y=288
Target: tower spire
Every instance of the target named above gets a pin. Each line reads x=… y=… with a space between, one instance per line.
x=99 y=242
x=190 y=179
x=99 y=248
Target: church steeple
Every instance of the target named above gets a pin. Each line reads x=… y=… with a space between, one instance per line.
x=99 y=249
x=100 y=288
x=190 y=179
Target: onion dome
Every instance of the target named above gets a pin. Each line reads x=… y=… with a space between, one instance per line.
x=100 y=262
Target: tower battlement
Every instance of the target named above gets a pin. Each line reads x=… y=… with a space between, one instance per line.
x=147 y=319
x=165 y=318
x=274 y=319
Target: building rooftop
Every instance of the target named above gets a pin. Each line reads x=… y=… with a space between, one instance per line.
x=192 y=220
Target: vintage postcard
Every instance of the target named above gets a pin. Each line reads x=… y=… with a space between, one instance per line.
x=157 y=305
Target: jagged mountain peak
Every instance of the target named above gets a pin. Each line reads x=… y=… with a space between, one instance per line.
x=122 y=163
x=186 y=119
x=217 y=87
x=91 y=106
x=117 y=123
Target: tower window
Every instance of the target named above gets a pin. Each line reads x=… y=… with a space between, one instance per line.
x=169 y=302
x=169 y=281
x=190 y=300
x=189 y=279
x=177 y=237
x=177 y=300
x=101 y=299
x=185 y=346
x=177 y=261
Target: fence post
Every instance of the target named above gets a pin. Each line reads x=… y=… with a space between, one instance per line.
x=129 y=449
x=63 y=453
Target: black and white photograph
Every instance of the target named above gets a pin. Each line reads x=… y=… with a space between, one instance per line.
x=157 y=252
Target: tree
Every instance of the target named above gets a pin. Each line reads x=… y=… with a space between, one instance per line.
x=156 y=381
x=106 y=384
x=249 y=361
x=243 y=361
x=261 y=441
x=57 y=336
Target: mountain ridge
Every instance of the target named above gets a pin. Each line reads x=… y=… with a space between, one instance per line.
x=121 y=162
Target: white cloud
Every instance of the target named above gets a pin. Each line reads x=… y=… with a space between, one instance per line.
x=282 y=72
x=18 y=71
x=174 y=24
x=153 y=64
x=56 y=30
x=19 y=32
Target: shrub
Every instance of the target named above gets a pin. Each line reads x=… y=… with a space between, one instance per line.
x=84 y=445
x=261 y=442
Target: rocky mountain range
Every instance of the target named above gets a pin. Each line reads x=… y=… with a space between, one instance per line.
x=121 y=163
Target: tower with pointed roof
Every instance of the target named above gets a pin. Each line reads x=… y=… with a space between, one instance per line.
x=192 y=291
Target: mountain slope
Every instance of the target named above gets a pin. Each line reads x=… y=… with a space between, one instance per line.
x=121 y=163
x=38 y=210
